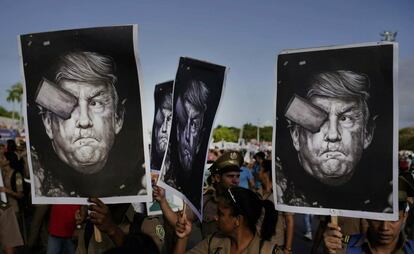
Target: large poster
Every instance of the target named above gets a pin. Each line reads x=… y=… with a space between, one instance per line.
x=84 y=115
x=197 y=92
x=160 y=131
x=336 y=131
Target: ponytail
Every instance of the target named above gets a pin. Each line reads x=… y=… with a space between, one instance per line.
x=269 y=220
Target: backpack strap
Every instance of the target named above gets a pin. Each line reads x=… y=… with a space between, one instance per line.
x=269 y=247
x=210 y=239
x=409 y=246
x=354 y=243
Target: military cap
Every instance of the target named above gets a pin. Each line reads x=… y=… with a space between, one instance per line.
x=228 y=162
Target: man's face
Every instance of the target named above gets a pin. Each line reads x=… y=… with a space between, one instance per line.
x=190 y=122
x=331 y=155
x=385 y=232
x=230 y=179
x=163 y=122
x=85 y=139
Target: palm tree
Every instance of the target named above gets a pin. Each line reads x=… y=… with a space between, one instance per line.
x=15 y=95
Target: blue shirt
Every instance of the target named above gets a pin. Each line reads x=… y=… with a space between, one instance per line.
x=245 y=176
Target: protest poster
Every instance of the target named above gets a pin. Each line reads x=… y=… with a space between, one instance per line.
x=335 y=131
x=83 y=115
x=159 y=140
x=197 y=92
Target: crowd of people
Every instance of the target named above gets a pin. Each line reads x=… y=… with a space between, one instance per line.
x=238 y=217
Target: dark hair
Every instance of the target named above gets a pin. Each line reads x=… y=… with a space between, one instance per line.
x=11 y=145
x=267 y=166
x=137 y=243
x=260 y=155
x=14 y=162
x=245 y=202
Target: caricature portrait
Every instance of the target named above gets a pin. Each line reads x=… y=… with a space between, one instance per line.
x=84 y=120
x=197 y=92
x=162 y=123
x=335 y=114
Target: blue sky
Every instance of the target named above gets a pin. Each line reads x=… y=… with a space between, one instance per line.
x=245 y=36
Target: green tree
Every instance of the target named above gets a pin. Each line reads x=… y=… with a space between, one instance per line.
x=406 y=139
x=15 y=95
x=5 y=113
x=250 y=132
x=230 y=134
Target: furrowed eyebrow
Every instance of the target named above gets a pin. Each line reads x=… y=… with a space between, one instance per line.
x=96 y=93
x=348 y=109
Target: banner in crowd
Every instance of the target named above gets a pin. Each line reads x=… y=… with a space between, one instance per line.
x=160 y=131
x=197 y=92
x=335 y=136
x=84 y=115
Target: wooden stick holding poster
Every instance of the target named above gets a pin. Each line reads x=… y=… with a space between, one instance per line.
x=198 y=88
x=349 y=133
x=97 y=234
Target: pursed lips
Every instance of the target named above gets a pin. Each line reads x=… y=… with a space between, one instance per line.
x=332 y=154
x=83 y=140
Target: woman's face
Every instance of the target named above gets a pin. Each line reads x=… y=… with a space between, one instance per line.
x=225 y=221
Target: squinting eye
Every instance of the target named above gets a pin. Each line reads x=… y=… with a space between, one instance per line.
x=345 y=118
x=95 y=103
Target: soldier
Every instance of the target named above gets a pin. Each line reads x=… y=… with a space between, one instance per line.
x=225 y=173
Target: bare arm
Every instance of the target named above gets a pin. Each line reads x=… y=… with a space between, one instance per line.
x=290 y=225
x=182 y=230
x=159 y=195
x=16 y=195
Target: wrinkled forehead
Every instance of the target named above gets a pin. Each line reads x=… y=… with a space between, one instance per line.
x=78 y=88
x=336 y=103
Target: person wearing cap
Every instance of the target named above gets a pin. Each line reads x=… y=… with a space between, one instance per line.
x=381 y=236
x=224 y=173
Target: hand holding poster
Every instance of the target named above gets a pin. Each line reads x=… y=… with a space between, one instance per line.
x=198 y=88
x=336 y=131
x=83 y=116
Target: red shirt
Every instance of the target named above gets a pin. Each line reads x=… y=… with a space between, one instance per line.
x=62 y=220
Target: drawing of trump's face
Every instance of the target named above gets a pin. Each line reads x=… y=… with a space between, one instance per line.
x=85 y=139
x=331 y=154
x=190 y=110
x=163 y=121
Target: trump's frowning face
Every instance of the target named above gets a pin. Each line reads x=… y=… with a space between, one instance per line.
x=331 y=155
x=163 y=121
x=190 y=123
x=85 y=139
